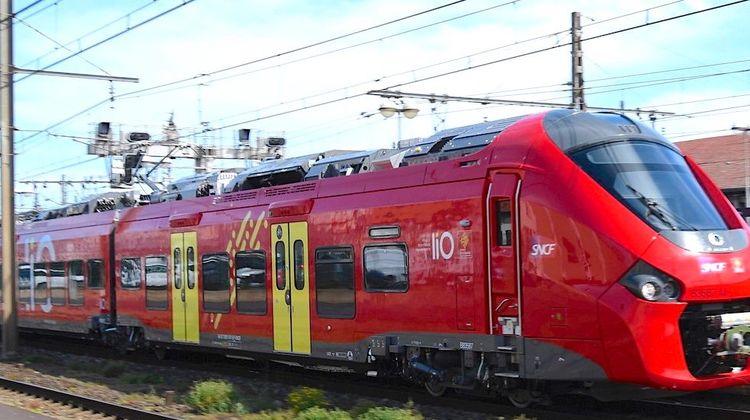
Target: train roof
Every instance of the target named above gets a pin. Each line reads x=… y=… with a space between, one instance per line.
x=571 y=130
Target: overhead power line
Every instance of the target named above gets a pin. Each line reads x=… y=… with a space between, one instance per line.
x=541 y=50
x=294 y=50
x=107 y=25
x=96 y=44
x=257 y=60
x=28 y=7
x=484 y=101
x=54 y=3
x=54 y=42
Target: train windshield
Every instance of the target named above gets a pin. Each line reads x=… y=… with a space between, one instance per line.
x=654 y=182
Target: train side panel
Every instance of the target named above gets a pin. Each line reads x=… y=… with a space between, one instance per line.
x=63 y=274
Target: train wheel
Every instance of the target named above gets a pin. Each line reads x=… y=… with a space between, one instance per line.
x=520 y=398
x=435 y=387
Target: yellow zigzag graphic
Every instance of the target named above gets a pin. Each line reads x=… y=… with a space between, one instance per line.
x=242 y=240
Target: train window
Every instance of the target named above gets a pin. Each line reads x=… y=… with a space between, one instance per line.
x=177 y=265
x=503 y=235
x=334 y=282
x=75 y=282
x=299 y=265
x=250 y=272
x=130 y=273
x=96 y=274
x=386 y=268
x=57 y=282
x=24 y=283
x=41 y=288
x=215 y=268
x=280 y=266
x=156 y=282
x=190 y=267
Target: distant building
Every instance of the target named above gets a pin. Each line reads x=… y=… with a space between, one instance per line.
x=724 y=159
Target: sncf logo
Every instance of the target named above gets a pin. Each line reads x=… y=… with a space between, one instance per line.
x=716 y=267
x=538 y=250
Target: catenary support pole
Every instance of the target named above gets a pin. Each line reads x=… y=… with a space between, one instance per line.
x=10 y=328
x=577 y=63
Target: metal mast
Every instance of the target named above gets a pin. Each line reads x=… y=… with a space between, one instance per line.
x=577 y=61
x=10 y=327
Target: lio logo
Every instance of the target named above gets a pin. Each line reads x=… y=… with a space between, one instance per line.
x=443 y=245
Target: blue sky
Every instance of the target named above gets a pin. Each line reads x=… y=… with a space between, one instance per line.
x=695 y=67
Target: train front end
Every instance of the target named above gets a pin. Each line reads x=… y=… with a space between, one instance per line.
x=677 y=313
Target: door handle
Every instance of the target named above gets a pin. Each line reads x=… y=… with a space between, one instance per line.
x=288 y=297
x=182 y=295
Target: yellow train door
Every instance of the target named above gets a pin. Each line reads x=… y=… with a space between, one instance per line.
x=291 y=288
x=185 y=317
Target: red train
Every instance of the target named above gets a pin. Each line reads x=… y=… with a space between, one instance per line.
x=559 y=252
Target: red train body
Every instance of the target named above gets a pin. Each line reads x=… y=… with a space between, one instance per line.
x=557 y=252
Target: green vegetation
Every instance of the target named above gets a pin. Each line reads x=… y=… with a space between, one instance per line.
x=319 y=413
x=212 y=396
x=389 y=413
x=304 y=398
x=305 y=403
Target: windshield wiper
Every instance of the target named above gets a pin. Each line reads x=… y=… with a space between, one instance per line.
x=654 y=208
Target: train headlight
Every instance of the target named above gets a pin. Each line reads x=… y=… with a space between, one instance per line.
x=648 y=283
x=649 y=290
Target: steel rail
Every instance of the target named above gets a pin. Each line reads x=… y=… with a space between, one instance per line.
x=97 y=406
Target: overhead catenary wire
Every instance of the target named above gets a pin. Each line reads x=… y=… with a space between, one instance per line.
x=293 y=50
x=624 y=76
x=29 y=6
x=23 y=22
x=49 y=171
x=54 y=3
x=591 y=90
x=118 y=34
x=102 y=27
x=516 y=43
x=322 y=54
x=469 y=68
x=257 y=60
x=427 y=66
x=472 y=67
x=541 y=50
x=537 y=51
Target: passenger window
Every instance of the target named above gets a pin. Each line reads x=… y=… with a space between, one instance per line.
x=57 y=282
x=130 y=273
x=190 y=268
x=156 y=283
x=334 y=282
x=96 y=274
x=177 y=264
x=215 y=268
x=299 y=265
x=250 y=272
x=504 y=233
x=280 y=266
x=386 y=268
x=75 y=282
x=24 y=283
x=41 y=288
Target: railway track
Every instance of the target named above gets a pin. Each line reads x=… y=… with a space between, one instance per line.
x=104 y=408
x=478 y=407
